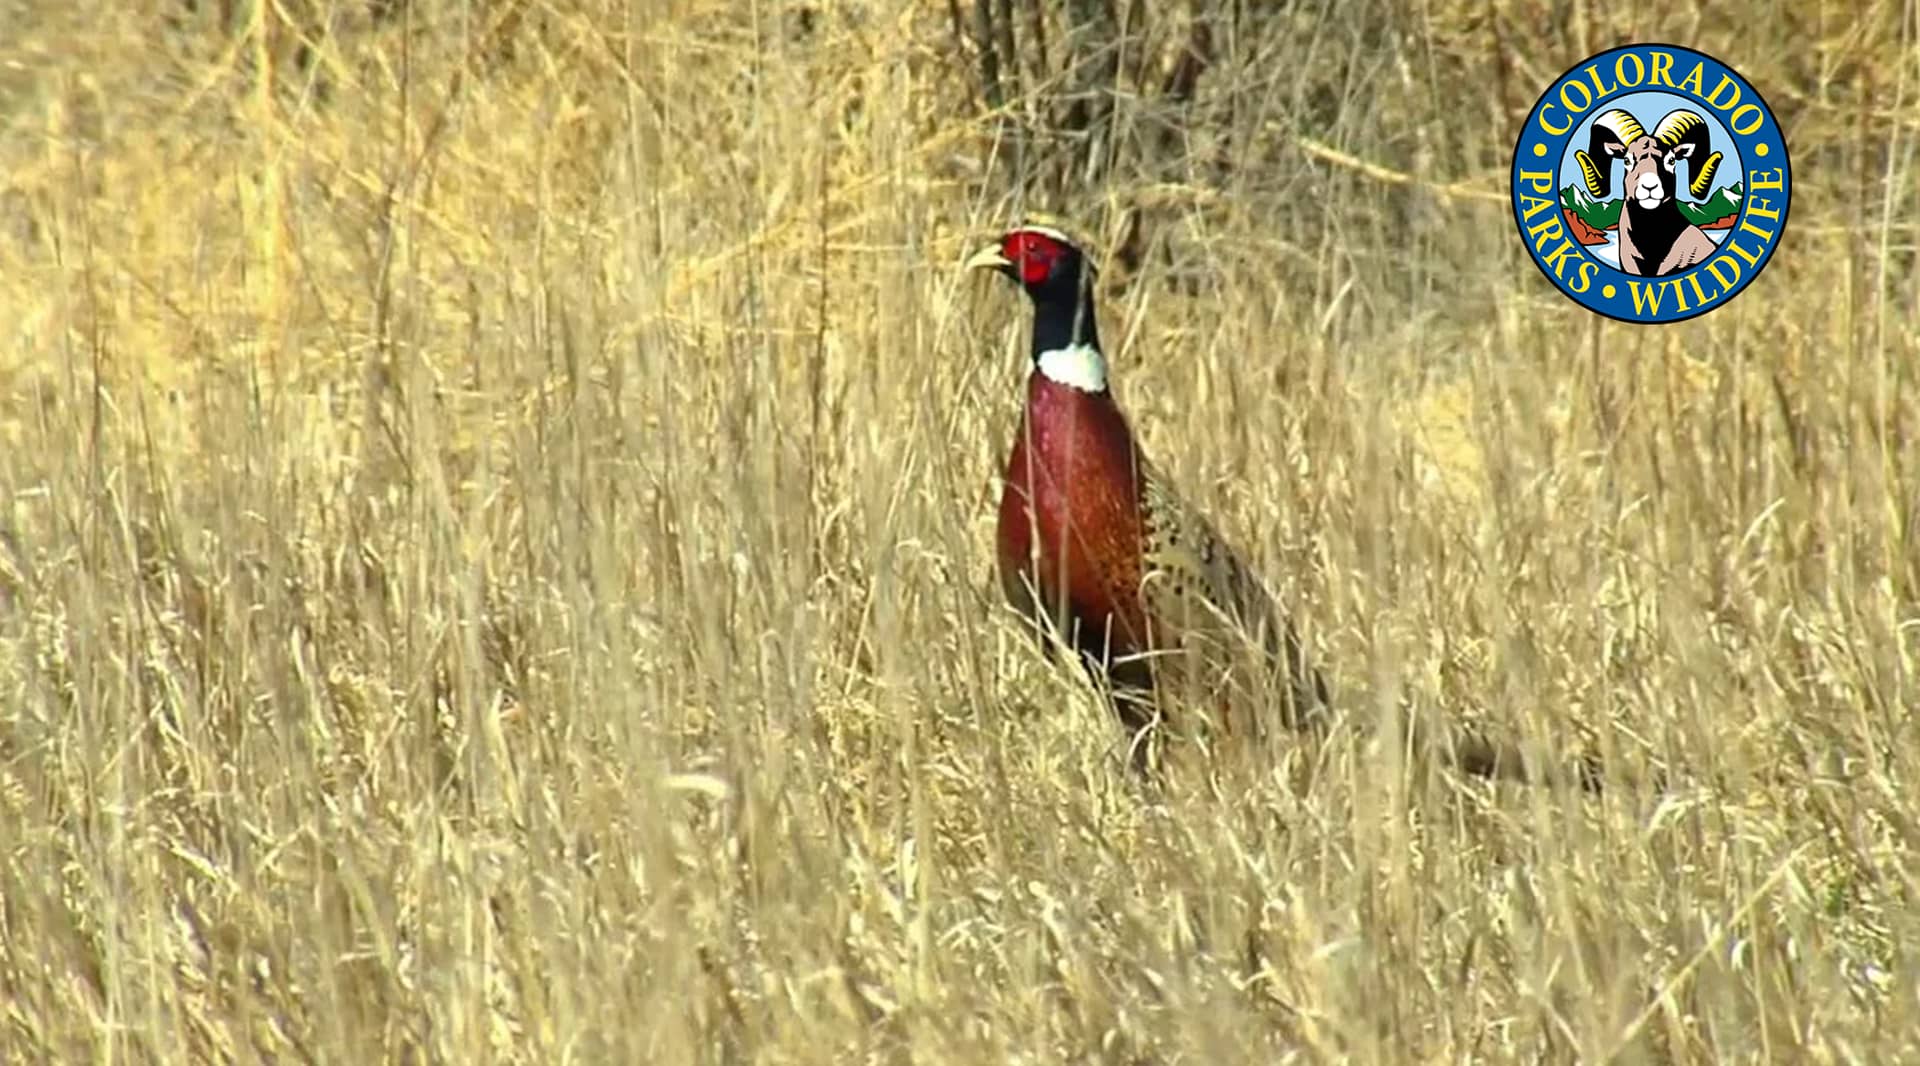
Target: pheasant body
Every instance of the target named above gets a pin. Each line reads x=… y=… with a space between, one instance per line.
x=1070 y=525
x=1095 y=543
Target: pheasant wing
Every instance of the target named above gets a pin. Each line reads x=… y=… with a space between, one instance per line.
x=1218 y=638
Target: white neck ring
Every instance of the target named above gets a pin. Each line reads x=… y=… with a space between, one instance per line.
x=1077 y=366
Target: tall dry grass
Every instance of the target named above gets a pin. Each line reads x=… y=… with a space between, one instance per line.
x=495 y=550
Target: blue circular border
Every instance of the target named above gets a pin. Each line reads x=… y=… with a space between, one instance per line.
x=1620 y=306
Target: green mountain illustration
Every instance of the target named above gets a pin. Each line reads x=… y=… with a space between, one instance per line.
x=1715 y=212
x=1723 y=205
x=1598 y=214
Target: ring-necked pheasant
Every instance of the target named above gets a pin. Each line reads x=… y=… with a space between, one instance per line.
x=1094 y=541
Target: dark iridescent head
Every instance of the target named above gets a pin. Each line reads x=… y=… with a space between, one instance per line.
x=1055 y=274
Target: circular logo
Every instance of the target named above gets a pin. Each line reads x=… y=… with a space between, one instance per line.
x=1651 y=183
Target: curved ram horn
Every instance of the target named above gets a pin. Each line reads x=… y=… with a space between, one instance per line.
x=1612 y=127
x=1682 y=126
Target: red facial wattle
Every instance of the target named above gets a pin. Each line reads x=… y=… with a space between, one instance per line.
x=1033 y=254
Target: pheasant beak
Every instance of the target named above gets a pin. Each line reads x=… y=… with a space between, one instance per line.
x=991 y=258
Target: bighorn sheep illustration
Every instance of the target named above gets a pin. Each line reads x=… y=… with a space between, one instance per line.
x=1655 y=238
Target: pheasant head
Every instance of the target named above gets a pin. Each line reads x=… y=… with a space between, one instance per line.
x=1059 y=280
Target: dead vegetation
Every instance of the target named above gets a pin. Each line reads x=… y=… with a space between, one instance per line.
x=494 y=507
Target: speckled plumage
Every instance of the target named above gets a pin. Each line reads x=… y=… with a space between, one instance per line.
x=1235 y=646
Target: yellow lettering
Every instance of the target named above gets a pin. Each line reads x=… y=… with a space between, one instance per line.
x=1752 y=258
x=1757 y=179
x=1541 y=180
x=1699 y=297
x=1692 y=83
x=1646 y=298
x=1760 y=205
x=1749 y=227
x=1557 y=259
x=1620 y=70
x=1713 y=98
x=1557 y=131
x=1583 y=275
x=1593 y=76
x=1533 y=205
x=1545 y=231
x=1714 y=265
x=1733 y=120
x=1566 y=99
x=1662 y=70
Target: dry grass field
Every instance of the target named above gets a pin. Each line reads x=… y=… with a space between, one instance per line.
x=495 y=543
